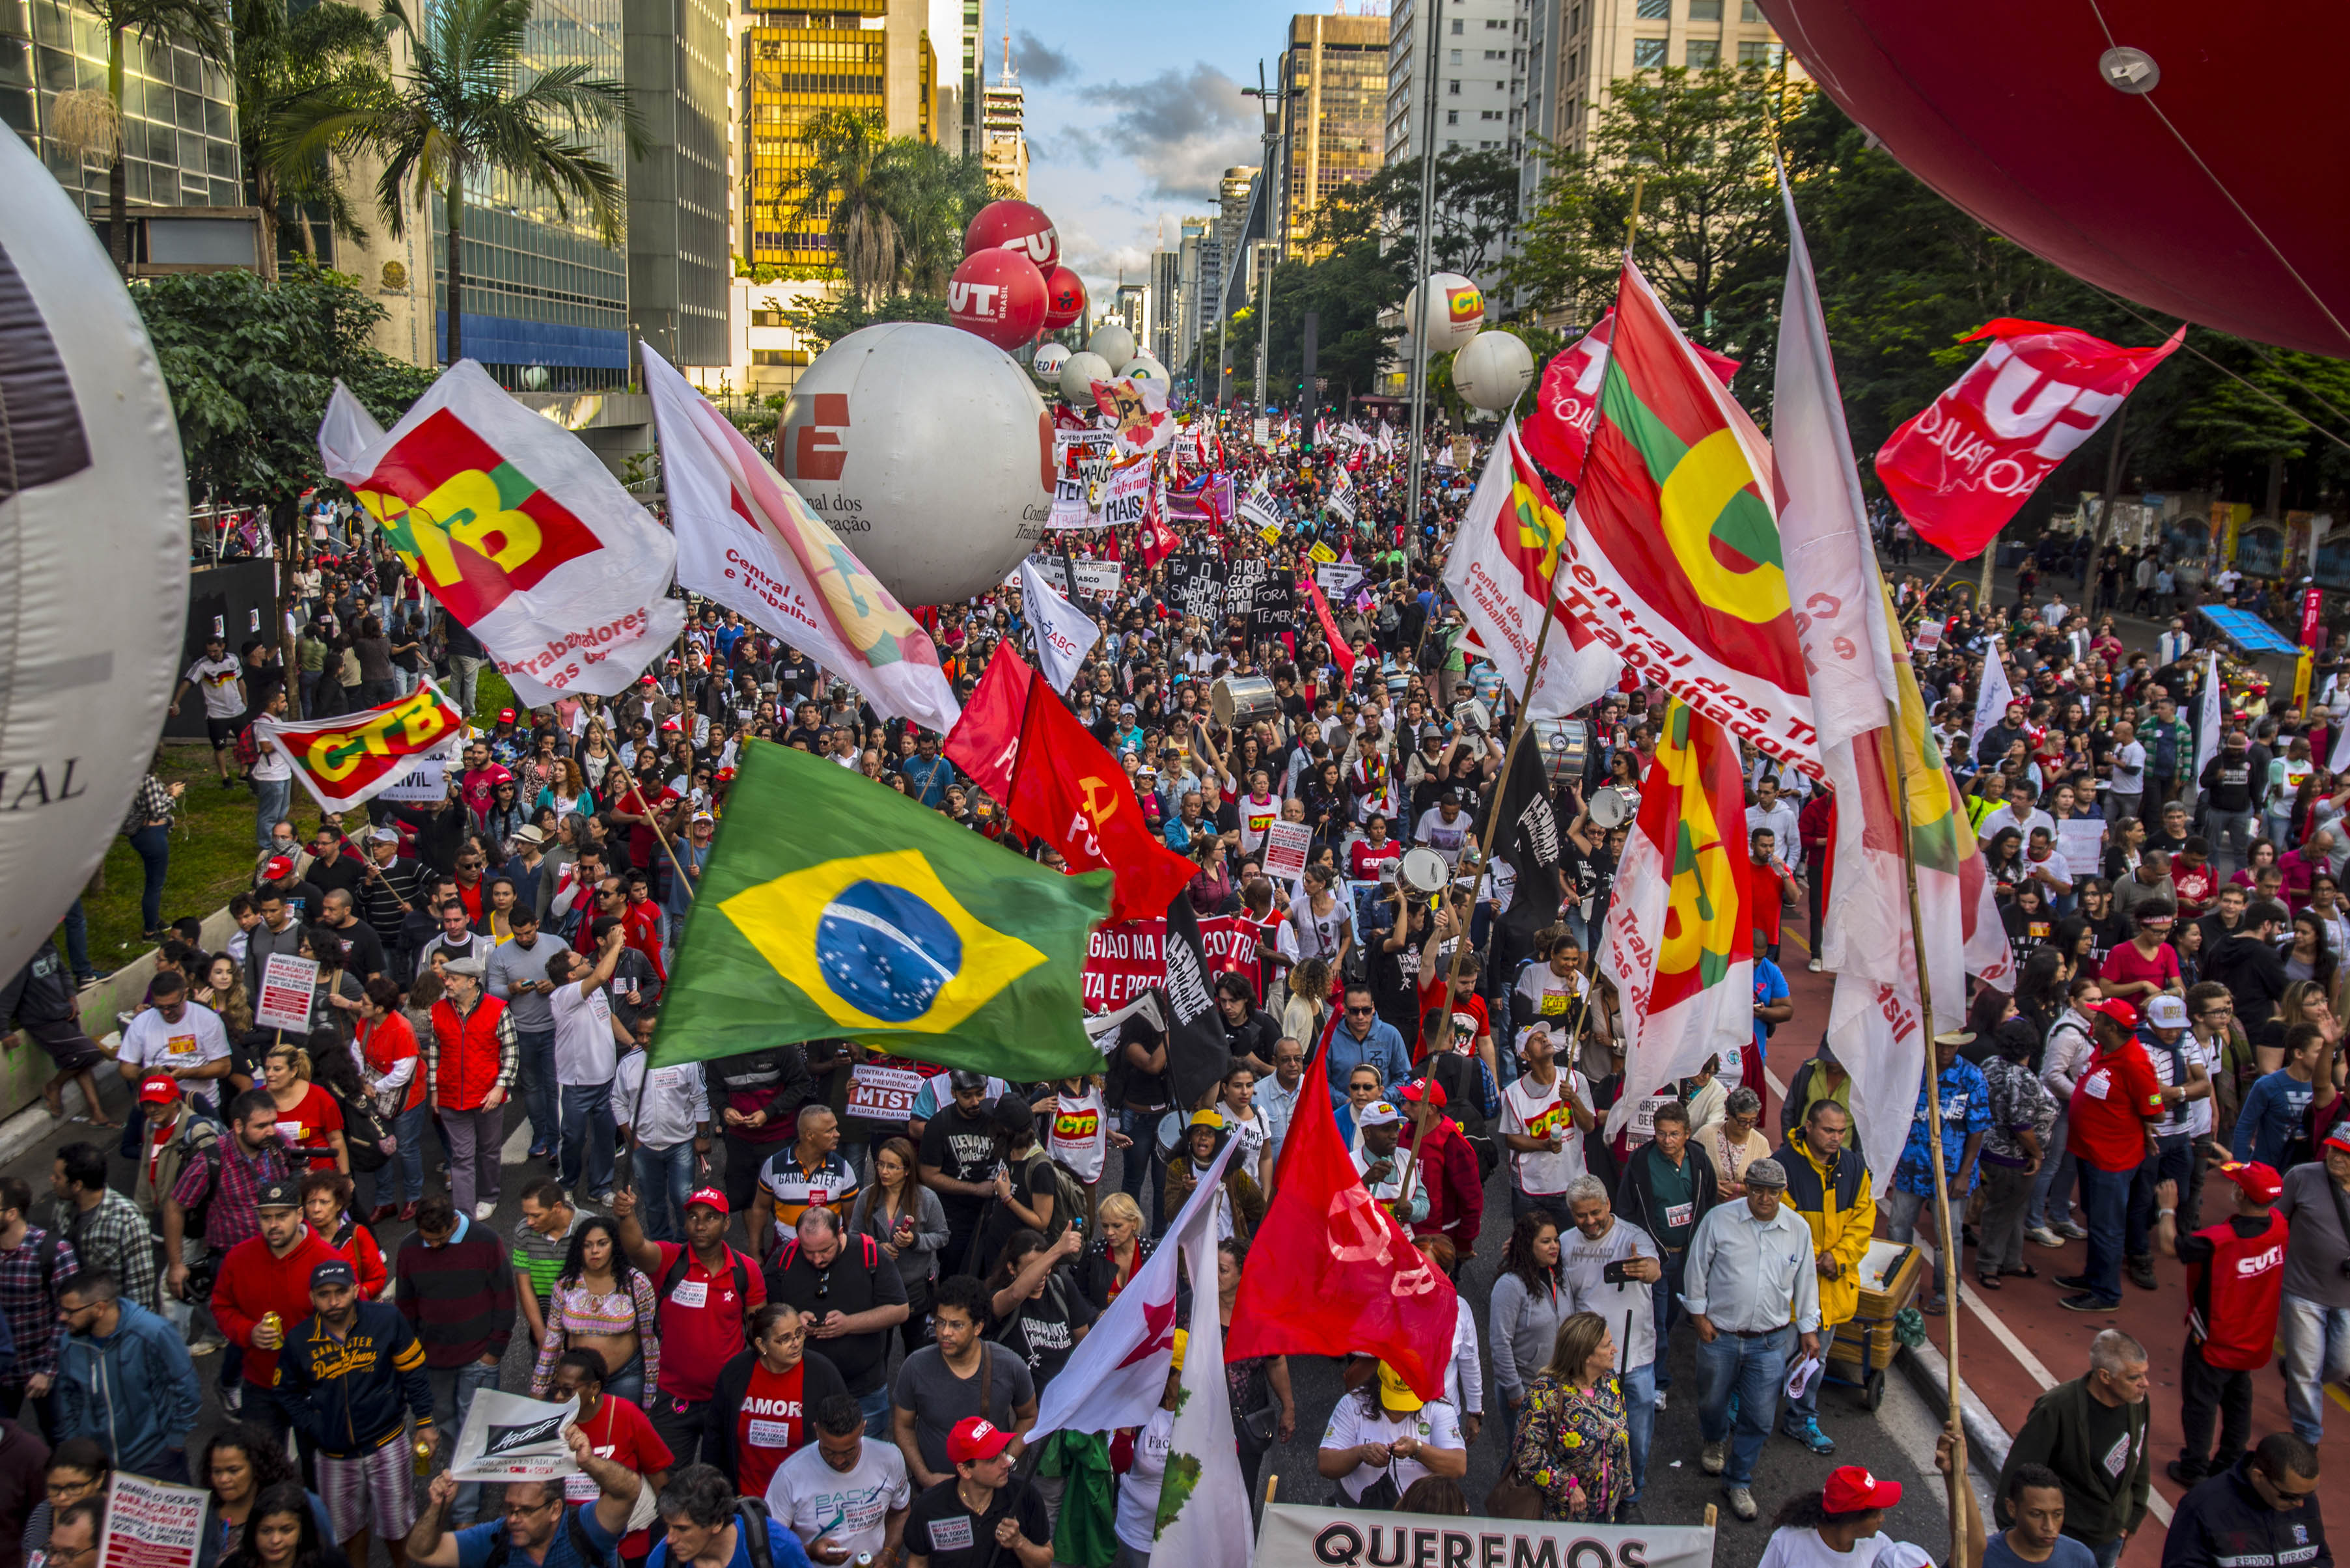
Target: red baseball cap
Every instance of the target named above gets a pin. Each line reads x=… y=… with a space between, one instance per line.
x=712 y=1197
x=1851 y=1489
x=156 y=1087
x=280 y=867
x=2339 y=1138
x=505 y=715
x=2120 y=1011
x=2260 y=1180
x=647 y=679
x=975 y=1437
x=1423 y=1089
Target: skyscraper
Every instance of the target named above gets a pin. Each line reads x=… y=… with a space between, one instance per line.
x=680 y=264
x=1333 y=121
x=1004 y=140
x=1480 y=75
x=1167 y=323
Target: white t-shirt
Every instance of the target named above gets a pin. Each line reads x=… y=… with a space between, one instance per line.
x=851 y=1507
x=1553 y=996
x=1799 y=1548
x=1447 y=838
x=221 y=681
x=2130 y=769
x=1251 y=1135
x=1079 y=1134
x=1351 y=1426
x=154 y=1041
x=1137 y=1494
x=585 y=1051
x=1532 y=1111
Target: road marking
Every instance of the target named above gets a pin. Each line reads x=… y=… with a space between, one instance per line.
x=516 y=1150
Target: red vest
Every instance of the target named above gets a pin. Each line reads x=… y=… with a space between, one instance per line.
x=468 y=1070
x=2232 y=1300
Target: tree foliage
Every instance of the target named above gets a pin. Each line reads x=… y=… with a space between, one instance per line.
x=250 y=365
x=324 y=51
x=895 y=207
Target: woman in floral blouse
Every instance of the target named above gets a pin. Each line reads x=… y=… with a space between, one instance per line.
x=1574 y=1444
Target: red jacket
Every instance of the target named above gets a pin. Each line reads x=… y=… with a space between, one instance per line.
x=252 y=1281
x=1815 y=825
x=1456 y=1196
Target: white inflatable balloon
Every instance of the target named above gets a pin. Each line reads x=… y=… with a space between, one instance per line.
x=927 y=451
x=1079 y=371
x=94 y=579
x=1048 y=362
x=1491 y=369
x=1114 y=343
x=1456 y=311
x=1143 y=367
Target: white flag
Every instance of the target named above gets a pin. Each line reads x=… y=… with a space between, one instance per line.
x=2209 y=717
x=1991 y=699
x=746 y=539
x=1064 y=635
x=1204 y=1503
x=1342 y=494
x=1118 y=1374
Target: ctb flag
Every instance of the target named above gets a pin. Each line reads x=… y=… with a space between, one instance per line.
x=350 y=759
x=832 y=908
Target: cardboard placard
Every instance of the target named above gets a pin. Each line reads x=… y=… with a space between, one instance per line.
x=422 y=785
x=507 y=1437
x=1285 y=847
x=288 y=984
x=152 y=1523
x=2081 y=844
x=879 y=1093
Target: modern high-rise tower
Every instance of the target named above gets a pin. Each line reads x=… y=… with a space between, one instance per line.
x=1332 y=122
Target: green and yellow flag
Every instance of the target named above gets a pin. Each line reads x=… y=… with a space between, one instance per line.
x=832 y=906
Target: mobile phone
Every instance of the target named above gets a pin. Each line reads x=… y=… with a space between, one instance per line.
x=1614 y=1273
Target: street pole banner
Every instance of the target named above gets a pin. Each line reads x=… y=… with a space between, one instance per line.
x=1292 y=1536
x=507 y=1437
x=288 y=984
x=152 y=1523
x=350 y=759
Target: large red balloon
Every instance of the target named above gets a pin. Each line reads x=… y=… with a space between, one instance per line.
x=998 y=295
x=1064 y=298
x=1014 y=227
x=2216 y=194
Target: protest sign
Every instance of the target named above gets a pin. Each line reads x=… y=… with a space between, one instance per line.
x=507 y=1437
x=1337 y=582
x=1273 y=604
x=1195 y=586
x=1286 y=846
x=286 y=985
x=1095 y=579
x=422 y=785
x=1124 y=494
x=1294 y=1536
x=2081 y=844
x=881 y=1094
x=152 y=1523
x=1127 y=959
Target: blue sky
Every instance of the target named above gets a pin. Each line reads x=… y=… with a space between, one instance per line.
x=1133 y=113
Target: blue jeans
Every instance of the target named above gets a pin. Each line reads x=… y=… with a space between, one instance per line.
x=453 y=1394
x=2054 y=1182
x=2105 y=1195
x=588 y=1120
x=271 y=797
x=1640 y=1386
x=1667 y=1299
x=1755 y=1370
x=1807 y=1408
x=401 y=1181
x=875 y=1407
x=78 y=943
x=465 y=674
x=664 y=1181
x=2316 y=1345
x=535 y=1065
x=153 y=846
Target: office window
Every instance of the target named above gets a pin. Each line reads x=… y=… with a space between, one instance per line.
x=1455 y=59
x=1453 y=87
x=1489 y=114
x=1647 y=53
x=1705 y=10
x=1701 y=53
x=1748 y=12
x=1765 y=55
x=1458 y=26
x=1452 y=117
x=1654 y=10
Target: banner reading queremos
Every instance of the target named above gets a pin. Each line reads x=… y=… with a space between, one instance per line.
x=1295 y=1537
x=508 y=1437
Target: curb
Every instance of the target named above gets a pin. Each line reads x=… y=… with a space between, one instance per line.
x=1987 y=1442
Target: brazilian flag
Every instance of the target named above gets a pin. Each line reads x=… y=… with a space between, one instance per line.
x=832 y=906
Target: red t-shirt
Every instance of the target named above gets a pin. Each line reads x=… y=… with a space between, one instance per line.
x=2197 y=888
x=2114 y=1099
x=624 y=1433
x=2126 y=966
x=306 y=1126
x=1765 y=898
x=703 y=1319
x=1469 y=1019
x=386 y=1045
x=1364 y=860
x=770 y=1427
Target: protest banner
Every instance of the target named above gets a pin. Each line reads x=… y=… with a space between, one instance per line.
x=1195 y=586
x=881 y=1094
x=1095 y=579
x=1285 y=847
x=1338 y=581
x=2081 y=842
x=1124 y=495
x=507 y=1437
x=350 y=759
x=152 y=1523
x=1296 y=1536
x=1126 y=959
x=286 y=985
x=422 y=785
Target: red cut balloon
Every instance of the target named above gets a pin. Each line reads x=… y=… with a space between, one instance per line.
x=2202 y=195
x=1064 y=298
x=998 y=295
x=1014 y=227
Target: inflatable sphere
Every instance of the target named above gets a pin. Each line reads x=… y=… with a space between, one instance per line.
x=927 y=452
x=2160 y=162
x=1491 y=369
x=1079 y=371
x=1048 y=361
x=1014 y=226
x=1114 y=343
x=1143 y=367
x=94 y=582
x=1064 y=298
x=998 y=295
x=1458 y=311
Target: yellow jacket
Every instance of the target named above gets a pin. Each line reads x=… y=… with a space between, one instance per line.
x=1838 y=1202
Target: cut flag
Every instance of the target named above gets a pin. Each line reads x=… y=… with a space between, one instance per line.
x=1672 y=549
x=1118 y=1374
x=1330 y=1272
x=832 y=908
x=746 y=539
x=348 y=759
x=1679 y=946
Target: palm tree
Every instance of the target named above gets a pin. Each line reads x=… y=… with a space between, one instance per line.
x=201 y=25
x=465 y=105
x=853 y=186
x=937 y=195
x=328 y=50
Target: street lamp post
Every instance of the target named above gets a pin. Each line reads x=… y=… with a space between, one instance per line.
x=1415 y=331
x=1269 y=100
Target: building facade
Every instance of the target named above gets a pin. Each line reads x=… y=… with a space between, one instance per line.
x=1333 y=117
x=1004 y=136
x=680 y=269
x=1480 y=75
x=1167 y=322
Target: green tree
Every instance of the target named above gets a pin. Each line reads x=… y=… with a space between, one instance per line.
x=937 y=193
x=200 y=25
x=851 y=186
x=470 y=105
x=324 y=51
x=1476 y=201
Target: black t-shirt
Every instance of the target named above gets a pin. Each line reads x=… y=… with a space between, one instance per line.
x=1030 y=1177
x=963 y=1148
x=363 y=949
x=941 y=1529
x=1044 y=1328
x=847 y=1286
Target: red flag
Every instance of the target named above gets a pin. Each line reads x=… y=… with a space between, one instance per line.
x=1157 y=540
x=1340 y=654
x=986 y=739
x=1329 y=1271
x=1960 y=468
x=1558 y=432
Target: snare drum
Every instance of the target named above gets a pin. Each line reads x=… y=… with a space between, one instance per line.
x=1239 y=700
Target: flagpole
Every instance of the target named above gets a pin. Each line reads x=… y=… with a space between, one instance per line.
x=1948 y=1260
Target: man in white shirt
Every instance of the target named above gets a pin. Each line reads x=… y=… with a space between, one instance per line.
x=844 y=1497
x=1752 y=1296
x=1545 y=1112
x=176 y=1036
x=588 y=1042
x=221 y=681
x=2126 y=791
x=1772 y=810
x=2020 y=813
x=668 y=1134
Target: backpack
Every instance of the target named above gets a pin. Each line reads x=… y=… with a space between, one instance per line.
x=790 y=1251
x=1069 y=1200
x=1460 y=1078
x=364 y=1134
